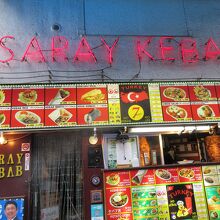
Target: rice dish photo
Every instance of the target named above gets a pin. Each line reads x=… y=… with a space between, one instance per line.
x=119 y=199
x=174 y=93
x=205 y=111
x=176 y=112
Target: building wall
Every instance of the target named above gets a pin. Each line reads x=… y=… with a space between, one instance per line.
x=93 y=18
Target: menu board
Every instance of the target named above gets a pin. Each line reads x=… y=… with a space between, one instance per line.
x=169 y=193
x=97 y=104
x=212 y=187
x=92 y=105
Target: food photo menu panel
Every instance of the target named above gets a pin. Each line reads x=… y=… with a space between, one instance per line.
x=211 y=177
x=94 y=104
x=170 y=193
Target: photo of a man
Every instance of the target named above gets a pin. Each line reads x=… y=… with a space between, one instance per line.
x=10 y=210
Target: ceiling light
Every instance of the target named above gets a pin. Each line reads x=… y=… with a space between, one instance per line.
x=2 y=139
x=93 y=139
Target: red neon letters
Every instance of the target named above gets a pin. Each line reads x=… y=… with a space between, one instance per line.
x=110 y=58
x=33 y=52
x=189 y=51
x=169 y=50
x=84 y=50
x=165 y=50
x=141 y=49
x=2 y=44
x=211 y=50
x=59 y=48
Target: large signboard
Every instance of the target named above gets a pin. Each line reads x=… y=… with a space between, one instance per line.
x=153 y=194
x=96 y=104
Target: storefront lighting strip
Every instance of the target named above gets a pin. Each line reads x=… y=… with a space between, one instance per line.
x=175 y=129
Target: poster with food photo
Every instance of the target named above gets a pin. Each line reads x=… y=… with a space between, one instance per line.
x=177 y=111
x=118 y=200
x=27 y=117
x=92 y=114
x=205 y=111
x=181 y=202
x=168 y=175
x=190 y=174
x=91 y=94
x=174 y=93
x=64 y=115
x=213 y=200
x=135 y=104
x=144 y=202
x=5 y=96
x=5 y=117
x=202 y=92
x=116 y=179
x=27 y=96
x=142 y=177
x=60 y=95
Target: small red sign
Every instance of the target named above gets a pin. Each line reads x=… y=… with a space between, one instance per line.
x=60 y=116
x=169 y=175
x=31 y=96
x=25 y=146
x=142 y=177
x=115 y=179
x=118 y=200
x=127 y=216
x=190 y=174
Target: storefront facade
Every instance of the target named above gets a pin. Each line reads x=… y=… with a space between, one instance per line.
x=69 y=67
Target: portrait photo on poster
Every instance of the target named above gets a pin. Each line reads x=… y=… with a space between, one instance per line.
x=12 y=208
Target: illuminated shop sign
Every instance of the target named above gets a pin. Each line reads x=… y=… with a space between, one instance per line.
x=96 y=104
x=185 y=50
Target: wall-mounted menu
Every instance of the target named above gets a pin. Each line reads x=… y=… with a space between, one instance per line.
x=211 y=176
x=96 y=104
x=169 y=193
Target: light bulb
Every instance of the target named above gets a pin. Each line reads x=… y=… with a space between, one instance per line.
x=2 y=139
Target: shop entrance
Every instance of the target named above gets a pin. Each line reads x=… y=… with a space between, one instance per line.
x=56 y=180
